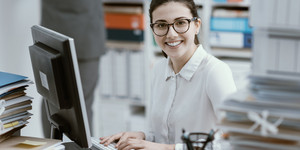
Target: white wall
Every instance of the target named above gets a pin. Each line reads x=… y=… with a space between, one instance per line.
x=16 y=18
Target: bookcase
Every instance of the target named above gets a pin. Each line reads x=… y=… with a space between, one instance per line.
x=126 y=68
x=223 y=20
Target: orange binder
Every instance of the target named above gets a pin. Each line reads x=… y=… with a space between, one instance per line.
x=124 y=21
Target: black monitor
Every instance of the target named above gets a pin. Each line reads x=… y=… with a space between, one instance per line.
x=57 y=79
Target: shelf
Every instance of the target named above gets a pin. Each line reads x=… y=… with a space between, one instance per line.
x=137 y=103
x=237 y=4
x=124 y=1
x=232 y=53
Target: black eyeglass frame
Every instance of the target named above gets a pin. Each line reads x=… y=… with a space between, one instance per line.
x=169 y=24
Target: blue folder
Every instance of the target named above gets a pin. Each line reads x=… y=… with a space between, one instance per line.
x=230 y=25
x=9 y=78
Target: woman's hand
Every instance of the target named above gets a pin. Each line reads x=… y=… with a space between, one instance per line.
x=138 y=144
x=121 y=137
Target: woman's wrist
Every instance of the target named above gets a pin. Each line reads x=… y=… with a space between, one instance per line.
x=170 y=147
x=142 y=135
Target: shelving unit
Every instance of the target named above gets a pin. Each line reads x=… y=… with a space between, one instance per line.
x=233 y=53
x=130 y=110
x=151 y=53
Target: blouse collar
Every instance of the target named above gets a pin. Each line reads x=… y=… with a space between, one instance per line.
x=189 y=69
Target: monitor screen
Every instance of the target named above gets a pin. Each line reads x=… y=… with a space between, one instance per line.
x=57 y=79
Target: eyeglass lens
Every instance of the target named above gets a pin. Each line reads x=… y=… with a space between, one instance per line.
x=162 y=28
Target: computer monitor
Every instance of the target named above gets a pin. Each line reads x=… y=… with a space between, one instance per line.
x=57 y=79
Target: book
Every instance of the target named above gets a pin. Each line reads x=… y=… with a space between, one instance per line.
x=126 y=45
x=136 y=75
x=11 y=102
x=125 y=35
x=259 y=142
x=14 y=104
x=120 y=72
x=244 y=128
x=16 y=117
x=234 y=1
x=14 y=86
x=20 y=123
x=126 y=9
x=124 y=21
x=230 y=13
x=13 y=94
x=220 y=1
x=230 y=24
x=26 y=102
x=15 y=110
x=106 y=74
x=226 y=39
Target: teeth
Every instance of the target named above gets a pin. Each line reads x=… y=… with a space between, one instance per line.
x=174 y=43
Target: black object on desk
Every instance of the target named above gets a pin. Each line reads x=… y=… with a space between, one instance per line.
x=198 y=140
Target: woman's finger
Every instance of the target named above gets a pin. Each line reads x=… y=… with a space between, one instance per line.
x=104 y=139
x=113 y=138
x=123 y=138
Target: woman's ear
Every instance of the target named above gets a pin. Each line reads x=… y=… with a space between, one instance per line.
x=198 y=25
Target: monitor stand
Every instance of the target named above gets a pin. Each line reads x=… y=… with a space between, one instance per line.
x=57 y=134
x=57 y=126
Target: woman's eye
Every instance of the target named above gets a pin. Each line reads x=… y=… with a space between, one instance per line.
x=181 y=22
x=161 y=25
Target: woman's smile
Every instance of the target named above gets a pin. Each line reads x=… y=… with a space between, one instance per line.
x=173 y=43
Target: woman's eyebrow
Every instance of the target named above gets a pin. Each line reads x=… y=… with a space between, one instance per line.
x=161 y=20
x=180 y=18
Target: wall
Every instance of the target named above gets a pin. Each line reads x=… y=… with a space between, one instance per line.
x=16 y=18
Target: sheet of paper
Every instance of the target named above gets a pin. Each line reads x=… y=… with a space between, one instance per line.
x=33 y=143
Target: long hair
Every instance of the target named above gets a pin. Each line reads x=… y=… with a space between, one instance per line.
x=189 y=3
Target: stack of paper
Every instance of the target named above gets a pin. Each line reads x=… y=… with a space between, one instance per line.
x=264 y=116
x=14 y=104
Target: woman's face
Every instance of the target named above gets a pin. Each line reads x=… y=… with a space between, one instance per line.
x=175 y=45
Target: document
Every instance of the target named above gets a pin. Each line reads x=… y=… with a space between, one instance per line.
x=8 y=78
x=15 y=85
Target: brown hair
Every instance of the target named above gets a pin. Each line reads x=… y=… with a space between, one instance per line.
x=189 y=3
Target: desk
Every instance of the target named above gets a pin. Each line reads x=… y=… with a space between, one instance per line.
x=13 y=143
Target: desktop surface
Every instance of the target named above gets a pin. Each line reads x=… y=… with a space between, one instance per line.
x=16 y=143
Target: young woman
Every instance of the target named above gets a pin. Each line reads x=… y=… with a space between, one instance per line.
x=187 y=86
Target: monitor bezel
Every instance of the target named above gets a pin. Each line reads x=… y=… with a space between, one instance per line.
x=54 y=40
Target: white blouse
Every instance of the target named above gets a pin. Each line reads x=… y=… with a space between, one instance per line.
x=189 y=99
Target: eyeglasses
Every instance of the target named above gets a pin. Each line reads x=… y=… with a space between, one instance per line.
x=180 y=26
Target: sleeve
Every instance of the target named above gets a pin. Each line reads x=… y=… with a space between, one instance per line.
x=179 y=146
x=149 y=134
x=155 y=75
x=220 y=84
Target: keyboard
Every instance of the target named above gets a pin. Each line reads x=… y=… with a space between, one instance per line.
x=97 y=145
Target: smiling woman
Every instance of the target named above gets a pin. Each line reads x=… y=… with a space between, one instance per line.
x=179 y=46
x=187 y=86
